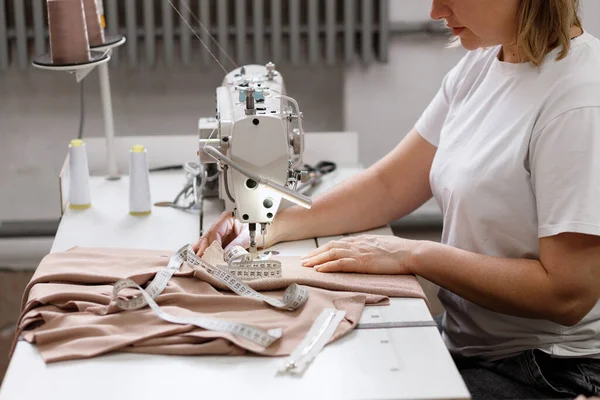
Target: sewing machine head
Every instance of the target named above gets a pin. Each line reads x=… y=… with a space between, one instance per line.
x=256 y=143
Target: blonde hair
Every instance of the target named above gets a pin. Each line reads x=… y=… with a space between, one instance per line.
x=544 y=25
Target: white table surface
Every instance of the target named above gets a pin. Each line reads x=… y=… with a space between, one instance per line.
x=391 y=363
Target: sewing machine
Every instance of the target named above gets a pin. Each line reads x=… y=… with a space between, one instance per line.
x=254 y=145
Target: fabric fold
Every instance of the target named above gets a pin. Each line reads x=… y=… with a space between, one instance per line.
x=68 y=313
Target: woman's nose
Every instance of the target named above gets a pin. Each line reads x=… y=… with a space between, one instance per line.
x=439 y=10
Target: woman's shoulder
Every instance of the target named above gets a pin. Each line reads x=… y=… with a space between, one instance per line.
x=574 y=81
x=582 y=62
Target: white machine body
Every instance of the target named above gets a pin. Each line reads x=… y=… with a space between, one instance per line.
x=257 y=134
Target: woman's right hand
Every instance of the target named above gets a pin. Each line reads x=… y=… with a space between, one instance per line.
x=228 y=231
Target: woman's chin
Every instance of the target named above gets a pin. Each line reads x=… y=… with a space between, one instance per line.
x=468 y=42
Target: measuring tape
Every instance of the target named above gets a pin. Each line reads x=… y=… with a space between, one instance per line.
x=255 y=335
x=241 y=265
x=294 y=297
x=155 y=288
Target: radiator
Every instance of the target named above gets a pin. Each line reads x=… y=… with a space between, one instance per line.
x=295 y=32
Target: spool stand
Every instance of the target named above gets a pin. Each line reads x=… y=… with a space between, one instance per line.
x=99 y=57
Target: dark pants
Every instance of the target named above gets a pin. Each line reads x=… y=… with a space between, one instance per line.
x=530 y=375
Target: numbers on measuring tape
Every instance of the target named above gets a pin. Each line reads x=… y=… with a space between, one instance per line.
x=240 y=267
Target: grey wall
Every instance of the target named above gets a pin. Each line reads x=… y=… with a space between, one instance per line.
x=383 y=102
x=39 y=114
x=39 y=110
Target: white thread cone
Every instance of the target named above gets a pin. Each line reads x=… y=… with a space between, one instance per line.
x=79 y=176
x=100 y=6
x=139 y=182
x=93 y=22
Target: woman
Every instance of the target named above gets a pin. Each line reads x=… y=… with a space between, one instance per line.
x=510 y=149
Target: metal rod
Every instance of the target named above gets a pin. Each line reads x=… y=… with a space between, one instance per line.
x=109 y=129
x=330 y=31
x=367 y=31
x=185 y=34
x=3 y=37
x=259 y=35
x=384 y=30
x=132 y=41
x=276 y=31
x=294 y=18
x=112 y=27
x=38 y=24
x=204 y=33
x=168 y=41
x=149 y=39
x=349 y=20
x=19 y=14
x=313 y=34
x=240 y=38
x=284 y=192
x=223 y=35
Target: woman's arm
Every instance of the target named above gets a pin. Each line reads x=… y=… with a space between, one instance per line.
x=562 y=287
x=391 y=188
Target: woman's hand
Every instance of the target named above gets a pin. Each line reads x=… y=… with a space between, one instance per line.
x=228 y=231
x=369 y=254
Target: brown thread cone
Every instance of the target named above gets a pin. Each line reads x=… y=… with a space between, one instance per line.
x=93 y=22
x=68 y=34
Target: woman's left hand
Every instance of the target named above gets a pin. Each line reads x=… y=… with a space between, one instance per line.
x=369 y=254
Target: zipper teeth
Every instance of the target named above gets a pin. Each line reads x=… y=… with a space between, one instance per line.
x=318 y=336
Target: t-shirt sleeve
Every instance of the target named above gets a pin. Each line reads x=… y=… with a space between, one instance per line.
x=565 y=173
x=430 y=123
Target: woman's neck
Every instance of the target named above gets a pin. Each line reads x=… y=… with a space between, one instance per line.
x=510 y=53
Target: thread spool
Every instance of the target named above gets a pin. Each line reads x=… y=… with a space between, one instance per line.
x=93 y=22
x=68 y=34
x=139 y=182
x=100 y=5
x=79 y=176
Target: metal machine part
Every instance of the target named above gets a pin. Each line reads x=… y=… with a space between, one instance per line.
x=256 y=143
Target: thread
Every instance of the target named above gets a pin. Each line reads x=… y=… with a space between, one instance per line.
x=140 y=202
x=93 y=22
x=69 y=42
x=101 y=12
x=186 y=5
x=79 y=176
x=100 y=5
x=198 y=36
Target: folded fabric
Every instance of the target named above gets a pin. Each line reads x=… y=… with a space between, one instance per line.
x=294 y=272
x=68 y=313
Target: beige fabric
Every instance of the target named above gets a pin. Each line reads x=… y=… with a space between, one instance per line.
x=66 y=308
x=294 y=272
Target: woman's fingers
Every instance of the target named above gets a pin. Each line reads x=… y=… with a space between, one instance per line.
x=196 y=246
x=227 y=231
x=224 y=226
x=203 y=244
x=340 y=265
x=327 y=256
x=343 y=244
x=206 y=240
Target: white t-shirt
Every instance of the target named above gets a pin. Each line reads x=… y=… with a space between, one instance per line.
x=518 y=158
